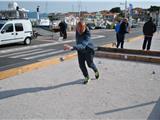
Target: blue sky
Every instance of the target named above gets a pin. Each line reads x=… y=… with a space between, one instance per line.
x=72 y=5
x=89 y=0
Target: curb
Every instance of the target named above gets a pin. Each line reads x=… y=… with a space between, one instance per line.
x=108 y=51
x=130 y=51
x=19 y=70
x=121 y=56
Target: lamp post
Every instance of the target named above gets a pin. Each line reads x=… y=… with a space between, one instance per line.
x=79 y=8
x=159 y=17
x=125 y=8
x=130 y=14
x=38 y=14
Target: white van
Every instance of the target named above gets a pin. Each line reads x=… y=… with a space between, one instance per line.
x=13 y=31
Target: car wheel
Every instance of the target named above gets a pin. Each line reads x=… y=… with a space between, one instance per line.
x=27 y=41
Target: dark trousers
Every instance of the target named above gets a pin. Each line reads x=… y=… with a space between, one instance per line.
x=120 y=39
x=63 y=33
x=147 y=42
x=83 y=57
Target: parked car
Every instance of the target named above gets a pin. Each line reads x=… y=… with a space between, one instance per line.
x=91 y=26
x=100 y=26
x=134 y=24
x=16 y=30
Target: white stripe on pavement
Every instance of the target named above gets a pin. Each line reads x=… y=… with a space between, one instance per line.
x=42 y=51
x=20 y=53
x=26 y=48
x=45 y=45
x=96 y=37
x=42 y=55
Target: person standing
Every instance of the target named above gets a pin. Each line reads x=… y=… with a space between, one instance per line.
x=124 y=27
x=117 y=27
x=85 y=49
x=63 y=29
x=148 y=29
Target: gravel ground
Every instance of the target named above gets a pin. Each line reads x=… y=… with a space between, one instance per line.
x=125 y=90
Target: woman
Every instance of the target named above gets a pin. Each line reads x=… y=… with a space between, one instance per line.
x=85 y=49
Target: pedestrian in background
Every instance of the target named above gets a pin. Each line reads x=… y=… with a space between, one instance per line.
x=85 y=49
x=63 y=29
x=117 y=27
x=148 y=29
x=124 y=28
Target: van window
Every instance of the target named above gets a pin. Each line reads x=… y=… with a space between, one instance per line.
x=8 y=28
x=18 y=27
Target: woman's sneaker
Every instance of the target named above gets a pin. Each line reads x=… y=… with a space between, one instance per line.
x=97 y=75
x=86 y=80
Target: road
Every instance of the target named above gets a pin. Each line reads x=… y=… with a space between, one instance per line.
x=15 y=55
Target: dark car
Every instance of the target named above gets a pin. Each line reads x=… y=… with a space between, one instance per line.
x=91 y=26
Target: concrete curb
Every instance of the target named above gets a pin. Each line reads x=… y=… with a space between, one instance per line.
x=108 y=51
x=19 y=70
x=131 y=57
x=130 y=51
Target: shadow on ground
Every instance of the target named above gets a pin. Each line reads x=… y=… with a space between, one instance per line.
x=156 y=110
x=155 y=114
x=12 y=93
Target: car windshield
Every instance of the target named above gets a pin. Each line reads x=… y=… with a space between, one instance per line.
x=1 y=25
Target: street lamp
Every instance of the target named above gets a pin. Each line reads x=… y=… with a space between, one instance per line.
x=38 y=14
x=79 y=8
x=125 y=7
x=159 y=17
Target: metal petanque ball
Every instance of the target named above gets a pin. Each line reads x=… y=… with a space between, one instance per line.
x=61 y=59
x=153 y=72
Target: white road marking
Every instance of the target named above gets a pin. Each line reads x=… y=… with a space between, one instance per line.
x=45 y=45
x=99 y=36
x=42 y=55
x=42 y=51
x=12 y=54
x=57 y=56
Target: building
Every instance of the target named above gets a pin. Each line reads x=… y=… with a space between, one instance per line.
x=156 y=17
x=155 y=14
x=13 y=12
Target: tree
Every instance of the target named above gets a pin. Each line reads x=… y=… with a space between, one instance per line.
x=115 y=10
x=52 y=17
x=154 y=8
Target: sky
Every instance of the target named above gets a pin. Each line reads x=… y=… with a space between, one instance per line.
x=48 y=6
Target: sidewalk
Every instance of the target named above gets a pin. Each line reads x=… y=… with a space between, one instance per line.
x=155 y=46
x=125 y=90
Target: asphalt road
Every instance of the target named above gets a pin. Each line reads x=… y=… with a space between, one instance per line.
x=15 y=55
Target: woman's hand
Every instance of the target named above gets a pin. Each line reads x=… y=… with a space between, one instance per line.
x=67 y=47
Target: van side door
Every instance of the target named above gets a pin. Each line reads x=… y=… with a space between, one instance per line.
x=19 y=32
x=7 y=34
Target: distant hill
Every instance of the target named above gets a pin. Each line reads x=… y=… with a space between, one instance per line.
x=33 y=15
